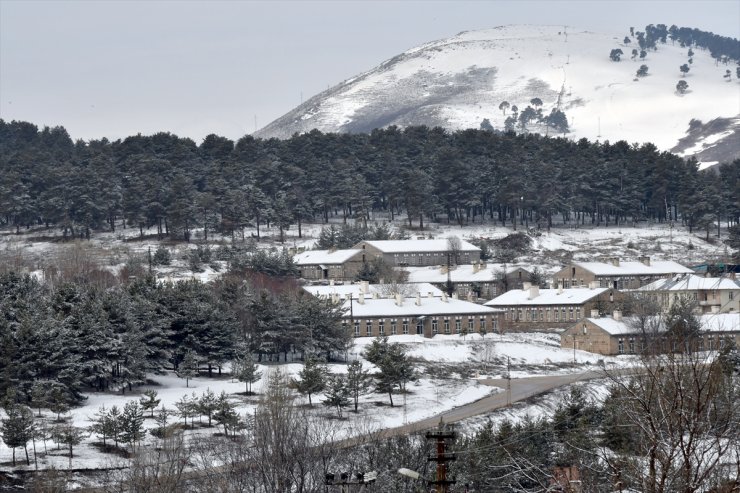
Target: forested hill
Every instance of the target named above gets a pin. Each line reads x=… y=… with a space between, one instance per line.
x=219 y=185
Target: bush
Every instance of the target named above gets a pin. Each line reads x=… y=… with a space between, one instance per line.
x=161 y=256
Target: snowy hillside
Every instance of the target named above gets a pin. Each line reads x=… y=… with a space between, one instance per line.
x=457 y=82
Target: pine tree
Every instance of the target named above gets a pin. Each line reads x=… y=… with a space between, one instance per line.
x=185 y=409
x=312 y=378
x=358 y=381
x=337 y=393
x=113 y=424
x=132 y=423
x=207 y=405
x=225 y=413
x=149 y=401
x=246 y=370
x=188 y=367
x=101 y=425
x=17 y=428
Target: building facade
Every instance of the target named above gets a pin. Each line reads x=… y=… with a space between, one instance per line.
x=616 y=274
x=406 y=253
x=710 y=294
x=479 y=280
x=547 y=310
x=616 y=335
x=427 y=316
x=339 y=265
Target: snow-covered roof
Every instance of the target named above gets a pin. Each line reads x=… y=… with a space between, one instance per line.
x=314 y=257
x=387 y=307
x=344 y=290
x=719 y=322
x=460 y=273
x=656 y=268
x=409 y=246
x=691 y=282
x=573 y=296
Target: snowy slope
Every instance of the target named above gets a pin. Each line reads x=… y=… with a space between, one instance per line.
x=457 y=82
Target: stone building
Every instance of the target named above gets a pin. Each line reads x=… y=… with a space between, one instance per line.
x=403 y=253
x=711 y=294
x=482 y=279
x=341 y=265
x=535 y=309
x=616 y=274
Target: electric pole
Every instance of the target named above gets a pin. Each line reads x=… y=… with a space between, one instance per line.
x=442 y=457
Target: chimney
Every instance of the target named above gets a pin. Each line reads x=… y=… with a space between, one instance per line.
x=454 y=295
x=335 y=297
x=617 y=315
x=418 y=299
x=376 y=295
x=594 y=313
x=615 y=261
x=443 y=269
x=560 y=288
x=593 y=285
x=645 y=260
x=430 y=294
x=475 y=268
x=399 y=300
x=444 y=297
x=470 y=295
x=331 y=282
x=534 y=291
x=364 y=286
x=526 y=285
x=482 y=266
x=361 y=299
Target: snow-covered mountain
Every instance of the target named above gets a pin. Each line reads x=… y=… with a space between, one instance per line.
x=458 y=82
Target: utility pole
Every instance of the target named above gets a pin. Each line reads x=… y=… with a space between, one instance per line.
x=442 y=457
x=508 y=382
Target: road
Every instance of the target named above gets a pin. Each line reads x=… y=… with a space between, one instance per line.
x=521 y=389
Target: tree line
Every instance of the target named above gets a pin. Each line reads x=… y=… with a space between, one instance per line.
x=58 y=340
x=171 y=184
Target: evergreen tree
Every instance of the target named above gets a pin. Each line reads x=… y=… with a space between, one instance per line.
x=226 y=414
x=337 y=394
x=246 y=370
x=17 y=428
x=312 y=378
x=189 y=367
x=149 y=401
x=207 y=405
x=358 y=381
x=132 y=423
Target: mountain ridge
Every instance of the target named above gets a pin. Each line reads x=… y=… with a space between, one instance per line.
x=458 y=82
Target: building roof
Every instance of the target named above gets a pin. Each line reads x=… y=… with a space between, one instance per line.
x=387 y=307
x=691 y=282
x=318 y=257
x=573 y=296
x=344 y=290
x=716 y=322
x=460 y=273
x=409 y=246
x=656 y=267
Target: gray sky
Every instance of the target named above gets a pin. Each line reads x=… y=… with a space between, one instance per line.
x=117 y=68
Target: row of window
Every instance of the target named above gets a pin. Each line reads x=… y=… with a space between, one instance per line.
x=547 y=314
x=447 y=324
x=708 y=343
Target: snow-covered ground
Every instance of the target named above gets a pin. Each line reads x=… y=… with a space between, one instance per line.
x=469 y=358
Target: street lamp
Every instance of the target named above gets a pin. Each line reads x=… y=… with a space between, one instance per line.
x=361 y=478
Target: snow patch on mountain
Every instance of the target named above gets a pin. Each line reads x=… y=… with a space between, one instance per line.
x=457 y=82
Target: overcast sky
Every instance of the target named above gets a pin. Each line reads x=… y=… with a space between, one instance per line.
x=117 y=68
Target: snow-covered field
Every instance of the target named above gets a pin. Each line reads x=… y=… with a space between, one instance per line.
x=450 y=366
x=468 y=359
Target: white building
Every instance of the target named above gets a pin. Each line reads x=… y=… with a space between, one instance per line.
x=711 y=294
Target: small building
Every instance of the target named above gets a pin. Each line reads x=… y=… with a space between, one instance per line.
x=538 y=309
x=481 y=279
x=423 y=315
x=316 y=265
x=403 y=253
x=374 y=290
x=616 y=274
x=711 y=294
x=616 y=335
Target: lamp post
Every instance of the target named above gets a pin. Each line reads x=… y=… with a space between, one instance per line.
x=344 y=482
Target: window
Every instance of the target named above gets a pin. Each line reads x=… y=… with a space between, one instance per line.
x=357 y=327
x=557 y=315
x=405 y=325
x=458 y=324
x=447 y=325
x=381 y=327
x=632 y=345
x=570 y=310
x=434 y=325
x=731 y=295
x=394 y=324
x=369 y=327
x=471 y=324
x=701 y=344
x=578 y=313
x=482 y=326
x=620 y=348
x=585 y=329
x=562 y=314
x=419 y=327
x=521 y=314
x=548 y=315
